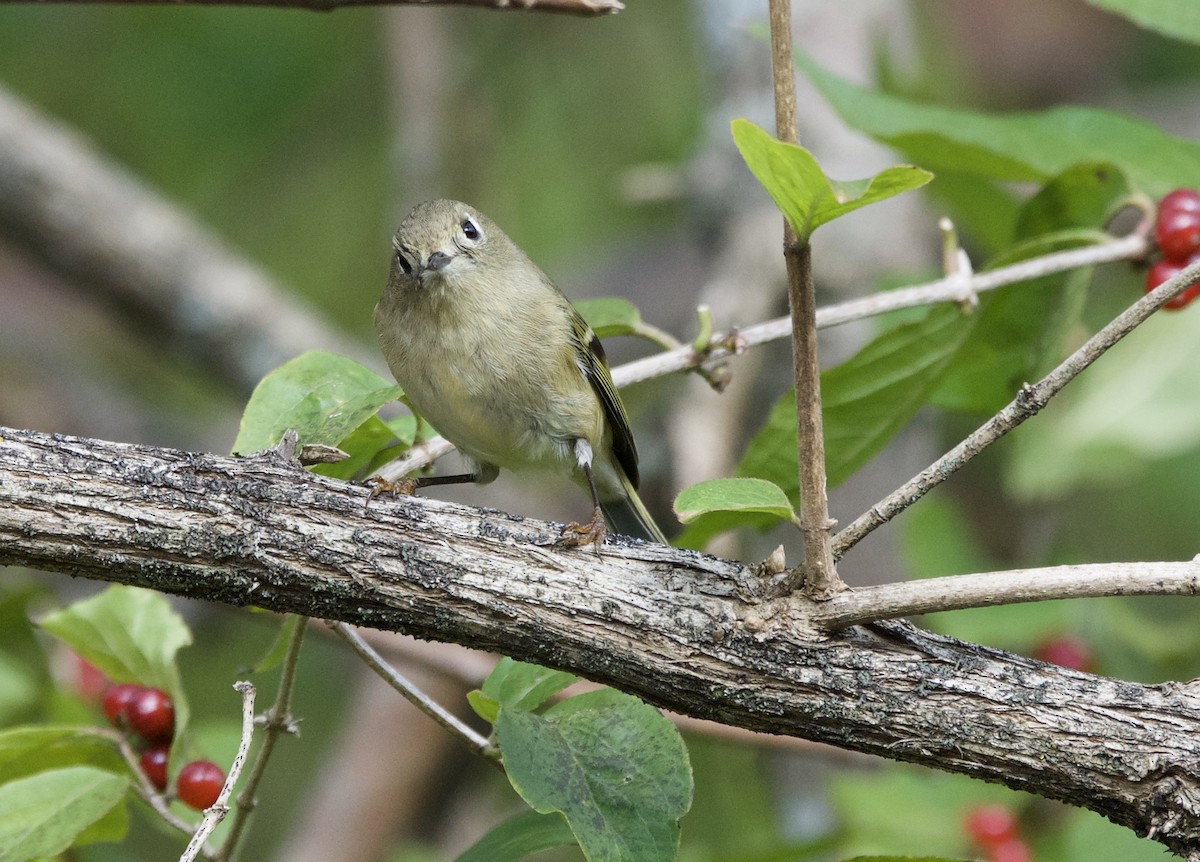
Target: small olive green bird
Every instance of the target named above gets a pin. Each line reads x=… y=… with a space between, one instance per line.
x=491 y=353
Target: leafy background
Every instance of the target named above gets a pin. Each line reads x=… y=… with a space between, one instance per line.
x=603 y=146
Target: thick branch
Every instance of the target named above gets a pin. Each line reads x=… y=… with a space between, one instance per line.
x=686 y=631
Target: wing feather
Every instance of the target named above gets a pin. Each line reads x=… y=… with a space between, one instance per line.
x=594 y=364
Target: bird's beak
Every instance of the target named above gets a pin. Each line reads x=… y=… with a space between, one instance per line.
x=437 y=261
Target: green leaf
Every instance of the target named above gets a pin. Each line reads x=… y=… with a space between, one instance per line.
x=1018 y=146
x=31 y=749
x=1179 y=19
x=1085 y=195
x=982 y=209
x=1021 y=329
x=1154 y=375
x=274 y=655
x=485 y=707
x=701 y=531
x=43 y=814
x=516 y=838
x=368 y=445
x=866 y=399
x=524 y=686
x=322 y=396
x=109 y=829
x=871 y=396
x=974 y=362
x=132 y=635
x=610 y=316
x=612 y=765
x=800 y=188
x=733 y=495
x=403 y=428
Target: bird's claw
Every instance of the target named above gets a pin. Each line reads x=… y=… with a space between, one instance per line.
x=578 y=535
x=381 y=486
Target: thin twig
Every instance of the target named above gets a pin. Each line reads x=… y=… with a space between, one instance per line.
x=473 y=740
x=818 y=575
x=142 y=784
x=1029 y=401
x=958 y=592
x=216 y=812
x=278 y=720
x=949 y=289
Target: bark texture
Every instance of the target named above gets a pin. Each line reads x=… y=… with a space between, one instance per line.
x=685 y=631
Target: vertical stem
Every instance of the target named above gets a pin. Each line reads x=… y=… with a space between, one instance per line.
x=783 y=73
x=818 y=575
x=278 y=720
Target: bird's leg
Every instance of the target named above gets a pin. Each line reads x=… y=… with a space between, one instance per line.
x=411 y=484
x=591 y=533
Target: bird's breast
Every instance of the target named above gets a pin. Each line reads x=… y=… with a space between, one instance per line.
x=500 y=389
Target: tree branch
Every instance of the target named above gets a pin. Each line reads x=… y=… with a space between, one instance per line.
x=1029 y=402
x=949 y=289
x=957 y=592
x=817 y=575
x=954 y=288
x=687 y=632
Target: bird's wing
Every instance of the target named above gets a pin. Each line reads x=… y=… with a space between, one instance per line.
x=594 y=364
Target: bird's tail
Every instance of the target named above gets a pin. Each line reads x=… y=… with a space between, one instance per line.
x=627 y=515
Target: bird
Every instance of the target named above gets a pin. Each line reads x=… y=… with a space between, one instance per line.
x=494 y=356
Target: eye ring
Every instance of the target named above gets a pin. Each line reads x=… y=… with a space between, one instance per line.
x=403 y=263
x=470 y=229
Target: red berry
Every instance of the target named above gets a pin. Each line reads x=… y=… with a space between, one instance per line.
x=990 y=825
x=1166 y=269
x=1012 y=850
x=1065 y=651
x=116 y=702
x=1180 y=200
x=199 y=784
x=1177 y=233
x=151 y=715
x=154 y=764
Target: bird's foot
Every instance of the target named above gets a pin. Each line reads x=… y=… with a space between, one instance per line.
x=401 y=487
x=578 y=535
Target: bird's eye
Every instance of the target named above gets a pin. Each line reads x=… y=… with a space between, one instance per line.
x=402 y=261
x=470 y=229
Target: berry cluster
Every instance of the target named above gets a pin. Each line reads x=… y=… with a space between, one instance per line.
x=1177 y=232
x=149 y=714
x=994 y=831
